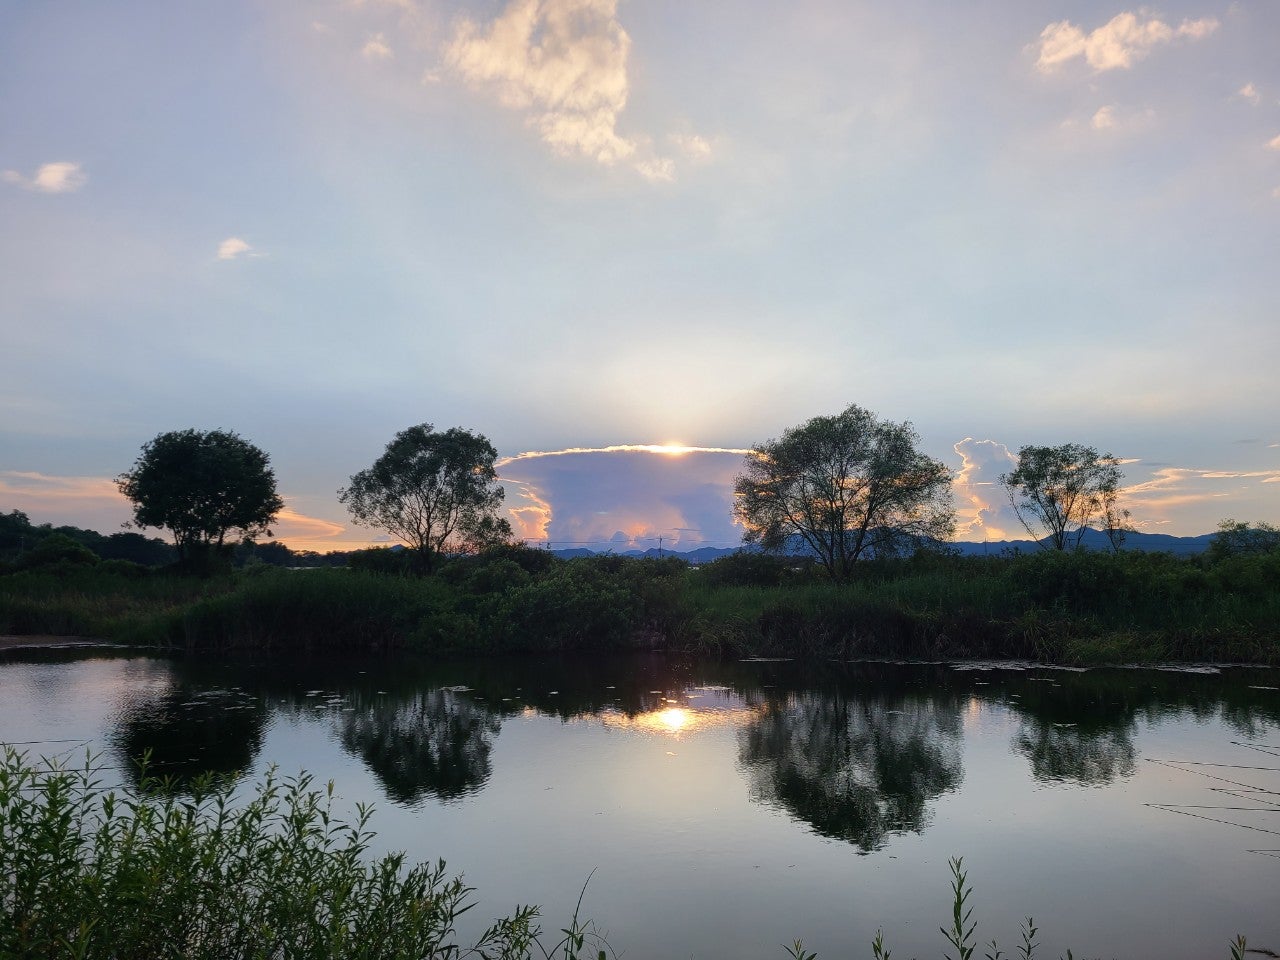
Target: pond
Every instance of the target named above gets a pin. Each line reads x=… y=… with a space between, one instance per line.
x=721 y=809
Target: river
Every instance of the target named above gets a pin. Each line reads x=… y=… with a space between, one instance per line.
x=721 y=809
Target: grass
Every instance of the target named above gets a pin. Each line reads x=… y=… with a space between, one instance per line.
x=1067 y=608
x=92 y=873
x=88 y=873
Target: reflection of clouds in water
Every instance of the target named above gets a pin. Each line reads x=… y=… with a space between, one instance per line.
x=854 y=769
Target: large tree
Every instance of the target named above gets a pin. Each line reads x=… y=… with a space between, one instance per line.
x=1058 y=491
x=201 y=486
x=848 y=487
x=438 y=492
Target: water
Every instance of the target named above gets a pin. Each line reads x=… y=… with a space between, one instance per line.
x=722 y=809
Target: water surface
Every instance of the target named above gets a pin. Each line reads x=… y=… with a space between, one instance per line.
x=721 y=809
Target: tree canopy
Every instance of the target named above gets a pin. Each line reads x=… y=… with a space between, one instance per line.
x=438 y=492
x=1061 y=490
x=848 y=487
x=201 y=486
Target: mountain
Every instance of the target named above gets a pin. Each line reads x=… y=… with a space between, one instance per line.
x=1092 y=540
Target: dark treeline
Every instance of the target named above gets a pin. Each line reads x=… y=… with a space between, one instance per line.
x=24 y=544
x=1074 y=607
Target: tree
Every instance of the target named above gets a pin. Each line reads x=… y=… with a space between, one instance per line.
x=438 y=492
x=848 y=486
x=1238 y=539
x=1061 y=489
x=201 y=486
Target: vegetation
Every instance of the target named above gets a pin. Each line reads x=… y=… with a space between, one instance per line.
x=438 y=492
x=1062 y=490
x=847 y=487
x=1073 y=607
x=89 y=873
x=202 y=485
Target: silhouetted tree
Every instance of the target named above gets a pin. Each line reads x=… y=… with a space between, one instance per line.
x=1061 y=489
x=848 y=486
x=438 y=492
x=202 y=485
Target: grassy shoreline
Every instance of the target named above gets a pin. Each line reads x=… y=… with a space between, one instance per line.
x=1061 y=608
x=209 y=872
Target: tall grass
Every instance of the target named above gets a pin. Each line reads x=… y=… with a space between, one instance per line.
x=92 y=873
x=89 y=873
x=1080 y=608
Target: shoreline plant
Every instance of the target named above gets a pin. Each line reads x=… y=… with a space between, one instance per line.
x=211 y=873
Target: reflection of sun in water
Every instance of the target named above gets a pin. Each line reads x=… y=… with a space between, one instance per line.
x=675 y=719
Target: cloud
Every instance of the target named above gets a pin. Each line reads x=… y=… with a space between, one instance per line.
x=60 y=177
x=1104 y=119
x=92 y=502
x=1250 y=93
x=1155 y=501
x=293 y=526
x=1118 y=44
x=563 y=63
x=376 y=48
x=231 y=248
x=1274 y=143
x=623 y=497
x=692 y=146
x=982 y=509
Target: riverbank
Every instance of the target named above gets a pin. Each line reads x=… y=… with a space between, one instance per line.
x=90 y=874
x=1085 y=608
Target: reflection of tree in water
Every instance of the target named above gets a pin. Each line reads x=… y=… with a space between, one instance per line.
x=1069 y=753
x=1078 y=728
x=190 y=732
x=432 y=743
x=855 y=768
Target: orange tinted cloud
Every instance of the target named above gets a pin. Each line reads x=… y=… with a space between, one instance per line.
x=624 y=496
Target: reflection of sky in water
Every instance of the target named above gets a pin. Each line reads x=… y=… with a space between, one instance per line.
x=723 y=818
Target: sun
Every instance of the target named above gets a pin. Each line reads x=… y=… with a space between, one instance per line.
x=671 y=448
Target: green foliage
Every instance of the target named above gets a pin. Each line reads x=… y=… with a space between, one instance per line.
x=746 y=569
x=1062 y=489
x=57 y=551
x=1237 y=539
x=438 y=492
x=847 y=487
x=202 y=485
x=89 y=873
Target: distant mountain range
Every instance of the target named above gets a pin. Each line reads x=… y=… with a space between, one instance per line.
x=1092 y=540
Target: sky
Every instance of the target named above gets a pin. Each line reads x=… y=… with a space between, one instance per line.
x=591 y=228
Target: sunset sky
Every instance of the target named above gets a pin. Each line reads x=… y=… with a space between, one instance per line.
x=584 y=228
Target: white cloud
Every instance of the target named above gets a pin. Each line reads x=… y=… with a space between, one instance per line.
x=1124 y=39
x=1104 y=119
x=1274 y=143
x=657 y=168
x=231 y=248
x=982 y=508
x=693 y=146
x=376 y=48
x=1249 y=92
x=59 y=177
x=564 y=64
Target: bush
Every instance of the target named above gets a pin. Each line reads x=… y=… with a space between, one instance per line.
x=58 y=551
x=745 y=569
x=94 y=874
